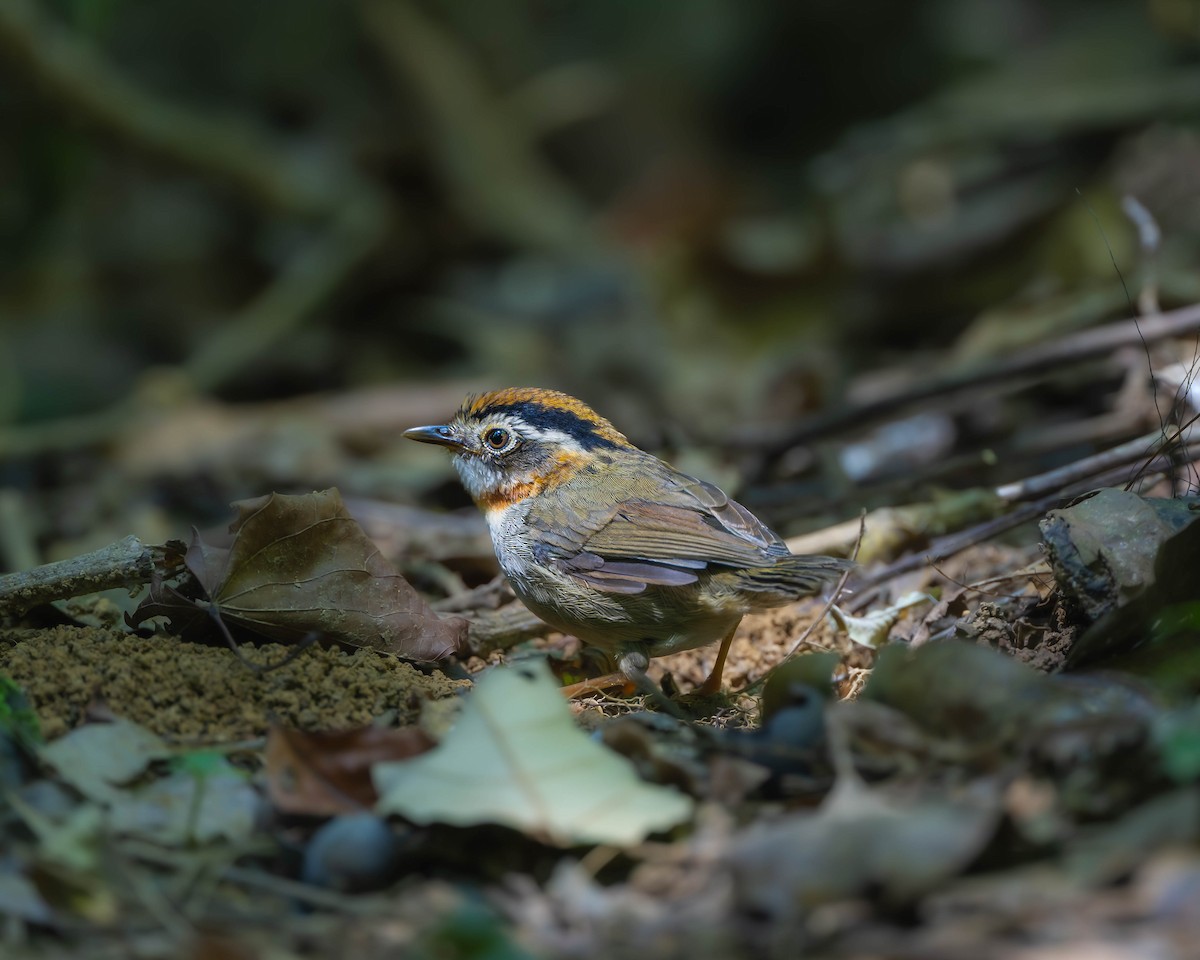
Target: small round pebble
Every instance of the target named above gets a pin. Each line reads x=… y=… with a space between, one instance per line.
x=352 y=853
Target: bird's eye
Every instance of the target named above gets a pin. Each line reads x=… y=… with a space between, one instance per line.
x=496 y=438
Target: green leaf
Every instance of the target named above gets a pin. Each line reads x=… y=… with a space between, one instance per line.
x=17 y=718
x=202 y=763
x=1177 y=735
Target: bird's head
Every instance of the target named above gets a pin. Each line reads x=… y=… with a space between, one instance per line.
x=511 y=444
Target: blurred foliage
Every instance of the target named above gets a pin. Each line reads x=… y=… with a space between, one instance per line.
x=714 y=210
x=19 y=725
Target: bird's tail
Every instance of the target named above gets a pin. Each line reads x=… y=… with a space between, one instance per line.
x=791 y=578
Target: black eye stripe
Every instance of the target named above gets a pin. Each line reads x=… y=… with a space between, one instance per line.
x=576 y=427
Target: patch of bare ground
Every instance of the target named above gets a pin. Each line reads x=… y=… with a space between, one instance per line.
x=192 y=693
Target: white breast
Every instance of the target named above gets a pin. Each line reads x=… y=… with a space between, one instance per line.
x=510 y=540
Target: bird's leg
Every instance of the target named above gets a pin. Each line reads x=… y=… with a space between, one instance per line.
x=633 y=667
x=712 y=685
x=632 y=675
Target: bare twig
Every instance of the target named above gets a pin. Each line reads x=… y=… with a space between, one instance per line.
x=500 y=629
x=126 y=563
x=1126 y=453
x=991 y=507
x=944 y=547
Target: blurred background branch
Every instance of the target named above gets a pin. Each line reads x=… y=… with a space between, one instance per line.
x=69 y=71
x=484 y=147
x=350 y=214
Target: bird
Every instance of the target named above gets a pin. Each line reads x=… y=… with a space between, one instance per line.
x=608 y=543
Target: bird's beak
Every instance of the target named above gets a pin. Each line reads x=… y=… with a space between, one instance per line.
x=442 y=435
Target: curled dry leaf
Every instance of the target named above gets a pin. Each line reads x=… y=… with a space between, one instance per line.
x=873 y=629
x=301 y=565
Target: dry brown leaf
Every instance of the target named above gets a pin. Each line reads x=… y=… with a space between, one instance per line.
x=329 y=773
x=301 y=566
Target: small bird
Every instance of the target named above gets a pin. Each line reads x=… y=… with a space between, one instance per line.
x=610 y=544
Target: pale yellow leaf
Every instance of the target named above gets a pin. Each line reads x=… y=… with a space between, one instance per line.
x=872 y=629
x=515 y=757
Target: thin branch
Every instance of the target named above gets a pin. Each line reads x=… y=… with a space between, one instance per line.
x=69 y=71
x=73 y=74
x=944 y=547
x=126 y=563
x=1129 y=452
x=499 y=180
x=1071 y=349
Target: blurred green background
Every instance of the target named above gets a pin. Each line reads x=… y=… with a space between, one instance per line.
x=697 y=215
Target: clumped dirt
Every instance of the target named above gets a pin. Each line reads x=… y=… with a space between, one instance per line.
x=193 y=693
x=1037 y=634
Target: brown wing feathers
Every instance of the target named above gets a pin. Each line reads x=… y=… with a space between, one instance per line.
x=641 y=542
x=659 y=531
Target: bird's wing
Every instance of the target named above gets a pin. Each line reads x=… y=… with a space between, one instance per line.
x=665 y=540
x=692 y=521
